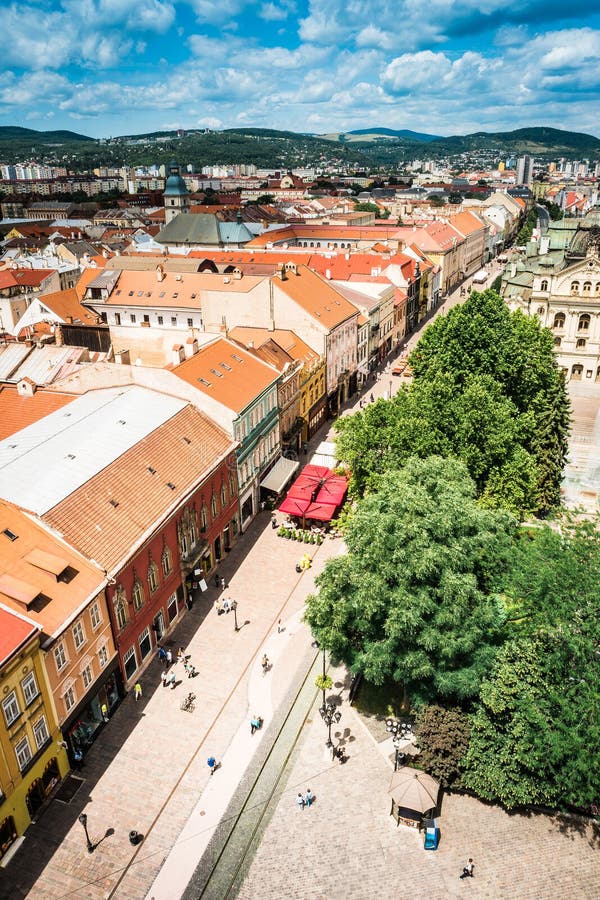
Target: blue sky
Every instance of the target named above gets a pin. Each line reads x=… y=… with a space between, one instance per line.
x=109 y=67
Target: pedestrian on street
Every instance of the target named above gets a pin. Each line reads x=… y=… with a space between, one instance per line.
x=226 y=604
x=137 y=691
x=212 y=764
x=309 y=797
x=300 y=801
x=180 y=654
x=255 y=723
x=172 y=680
x=467 y=871
x=162 y=656
x=217 y=582
x=223 y=584
x=104 y=711
x=78 y=759
x=219 y=606
x=164 y=677
x=169 y=657
x=372 y=398
x=279 y=627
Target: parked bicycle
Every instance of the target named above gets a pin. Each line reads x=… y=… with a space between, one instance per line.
x=188 y=705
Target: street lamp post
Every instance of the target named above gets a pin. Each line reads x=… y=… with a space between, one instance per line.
x=399 y=731
x=330 y=714
x=83 y=820
x=235 y=621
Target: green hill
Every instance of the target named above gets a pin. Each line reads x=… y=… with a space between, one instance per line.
x=14 y=133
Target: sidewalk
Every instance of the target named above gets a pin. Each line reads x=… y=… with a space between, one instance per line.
x=148 y=768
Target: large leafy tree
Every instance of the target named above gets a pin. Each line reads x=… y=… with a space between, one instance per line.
x=442 y=735
x=486 y=390
x=536 y=734
x=413 y=599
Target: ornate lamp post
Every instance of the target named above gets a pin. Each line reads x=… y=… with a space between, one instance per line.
x=330 y=714
x=399 y=731
x=234 y=608
x=83 y=820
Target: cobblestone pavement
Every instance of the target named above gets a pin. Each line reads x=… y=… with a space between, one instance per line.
x=347 y=846
x=582 y=472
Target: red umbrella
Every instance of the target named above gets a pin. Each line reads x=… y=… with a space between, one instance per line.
x=324 y=512
x=294 y=506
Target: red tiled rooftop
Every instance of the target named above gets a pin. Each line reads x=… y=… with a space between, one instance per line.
x=14 y=632
x=17 y=412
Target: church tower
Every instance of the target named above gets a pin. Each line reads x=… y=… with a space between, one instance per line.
x=176 y=195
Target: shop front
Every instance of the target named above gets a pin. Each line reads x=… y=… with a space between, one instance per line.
x=317 y=416
x=83 y=726
x=42 y=787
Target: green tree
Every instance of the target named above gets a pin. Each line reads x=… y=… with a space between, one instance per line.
x=413 y=599
x=442 y=735
x=535 y=738
x=265 y=199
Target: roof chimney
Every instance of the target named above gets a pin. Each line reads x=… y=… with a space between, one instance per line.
x=160 y=273
x=328 y=274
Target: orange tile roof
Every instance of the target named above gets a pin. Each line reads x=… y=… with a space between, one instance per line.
x=289 y=340
x=28 y=574
x=106 y=531
x=325 y=232
x=15 y=631
x=241 y=258
x=139 y=287
x=17 y=411
x=24 y=277
x=466 y=223
x=66 y=305
x=86 y=277
x=316 y=296
x=227 y=373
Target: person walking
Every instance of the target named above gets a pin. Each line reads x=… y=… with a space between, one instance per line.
x=219 y=606
x=172 y=680
x=467 y=871
x=212 y=764
x=300 y=801
x=279 y=627
x=309 y=797
x=164 y=677
x=169 y=657
x=255 y=723
x=137 y=691
x=223 y=584
x=180 y=654
x=104 y=711
x=162 y=656
x=78 y=759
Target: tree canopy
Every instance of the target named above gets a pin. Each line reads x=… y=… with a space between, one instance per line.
x=486 y=390
x=413 y=599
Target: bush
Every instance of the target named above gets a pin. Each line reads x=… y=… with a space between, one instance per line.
x=443 y=736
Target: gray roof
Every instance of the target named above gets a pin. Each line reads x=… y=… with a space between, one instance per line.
x=234 y=233
x=44 y=463
x=191 y=228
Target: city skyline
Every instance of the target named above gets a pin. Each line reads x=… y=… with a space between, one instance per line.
x=102 y=67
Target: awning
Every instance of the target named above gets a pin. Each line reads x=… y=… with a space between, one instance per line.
x=279 y=475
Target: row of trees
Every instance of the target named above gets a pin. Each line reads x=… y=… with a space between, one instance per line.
x=490 y=625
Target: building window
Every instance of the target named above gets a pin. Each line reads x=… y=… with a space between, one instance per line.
x=223 y=495
x=190 y=323
x=541 y=310
x=584 y=323
x=95 y=616
x=145 y=643
x=23 y=753
x=559 y=320
x=587 y=287
x=78 y=635
x=40 y=732
x=120 y=607
x=30 y=688
x=11 y=710
x=166 y=562
x=172 y=607
x=69 y=698
x=117 y=318
x=132 y=319
x=102 y=656
x=87 y=677
x=152 y=578
x=174 y=321
x=130 y=662
x=60 y=657
x=557 y=341
x=146 y=318
x=160 y=320
x=580 y=345
x=574 y=287
x=213 y=506
x=204 y=517
x=544 y=286
x=137 y=594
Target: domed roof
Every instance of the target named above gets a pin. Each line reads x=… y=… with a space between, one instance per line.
x=175 y=185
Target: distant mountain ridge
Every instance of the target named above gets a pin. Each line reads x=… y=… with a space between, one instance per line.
x=15 y=133
x=391 y=132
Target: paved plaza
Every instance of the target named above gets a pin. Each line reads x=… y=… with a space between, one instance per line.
x=348 y=847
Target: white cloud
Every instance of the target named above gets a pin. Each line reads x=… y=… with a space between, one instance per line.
x=271 y=12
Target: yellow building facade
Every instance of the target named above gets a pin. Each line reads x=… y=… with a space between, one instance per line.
x=32 y=758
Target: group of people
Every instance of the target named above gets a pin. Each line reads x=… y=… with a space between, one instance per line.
x=305 y=799
x=223 y=606
x=170 y=678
